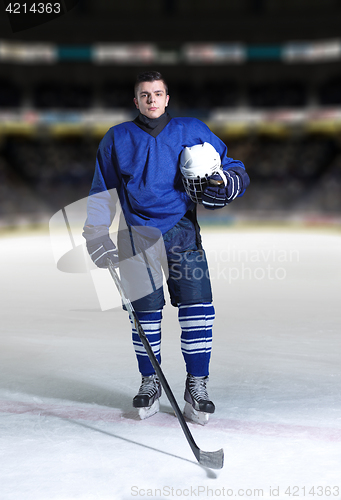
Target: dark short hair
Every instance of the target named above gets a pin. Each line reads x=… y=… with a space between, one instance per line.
x=149 y=76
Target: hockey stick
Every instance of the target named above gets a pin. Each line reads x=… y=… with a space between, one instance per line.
x=211 y=459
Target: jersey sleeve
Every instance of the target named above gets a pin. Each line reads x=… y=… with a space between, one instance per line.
x=102 y=200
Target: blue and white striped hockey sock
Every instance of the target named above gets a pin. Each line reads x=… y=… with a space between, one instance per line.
x=196 y=321
x=151 y=324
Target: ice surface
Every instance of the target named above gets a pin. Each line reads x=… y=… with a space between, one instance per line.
x=68 y=374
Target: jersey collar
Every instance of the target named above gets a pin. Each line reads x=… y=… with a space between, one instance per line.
x=152 y=126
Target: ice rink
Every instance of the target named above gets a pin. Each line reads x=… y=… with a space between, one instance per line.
x=68 y=375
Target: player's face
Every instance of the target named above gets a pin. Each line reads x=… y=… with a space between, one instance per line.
x=151 y=98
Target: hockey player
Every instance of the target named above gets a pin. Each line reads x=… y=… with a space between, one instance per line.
x=152 y=163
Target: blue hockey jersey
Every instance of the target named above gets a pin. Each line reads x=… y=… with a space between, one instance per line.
x=145 y=172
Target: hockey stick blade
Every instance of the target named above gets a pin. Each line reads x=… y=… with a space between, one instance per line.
x=210 y=459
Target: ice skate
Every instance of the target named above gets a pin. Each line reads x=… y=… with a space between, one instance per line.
x=147 y=399
x=198 y=406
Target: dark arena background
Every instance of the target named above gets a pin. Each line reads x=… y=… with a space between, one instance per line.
x=265 y=76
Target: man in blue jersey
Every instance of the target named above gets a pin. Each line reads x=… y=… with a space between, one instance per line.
x=141 y=160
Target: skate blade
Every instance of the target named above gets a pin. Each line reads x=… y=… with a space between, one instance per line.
x=199 y=417
x=149 y=411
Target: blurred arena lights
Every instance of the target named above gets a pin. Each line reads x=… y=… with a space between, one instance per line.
x=147 y=53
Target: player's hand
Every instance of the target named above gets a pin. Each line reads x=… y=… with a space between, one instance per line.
x=221 y=192
x=100 y=248
x=214 y=195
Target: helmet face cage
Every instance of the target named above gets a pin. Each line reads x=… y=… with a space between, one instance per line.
x=195 y=186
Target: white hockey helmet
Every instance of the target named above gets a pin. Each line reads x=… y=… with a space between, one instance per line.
x=197 y=163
